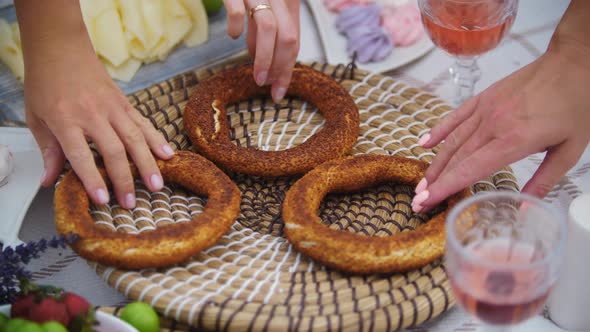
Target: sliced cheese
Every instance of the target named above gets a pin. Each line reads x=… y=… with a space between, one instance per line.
x=109 y=39
x=10 y=52
x=125 y=71
x=199 y=32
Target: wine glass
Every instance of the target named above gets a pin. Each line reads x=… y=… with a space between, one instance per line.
x=504 y=251
x=466 y=29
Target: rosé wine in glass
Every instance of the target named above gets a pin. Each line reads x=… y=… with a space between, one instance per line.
x=503 y=253
x=466 y=29
x=501 y=297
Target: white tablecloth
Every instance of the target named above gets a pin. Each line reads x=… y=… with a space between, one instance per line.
x=528 y=39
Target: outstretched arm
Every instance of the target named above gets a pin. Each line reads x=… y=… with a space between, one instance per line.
x=541 y=107
x=69 y=98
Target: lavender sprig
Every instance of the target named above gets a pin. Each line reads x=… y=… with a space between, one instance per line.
x=11 y=270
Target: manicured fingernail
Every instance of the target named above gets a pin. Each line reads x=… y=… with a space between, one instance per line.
x=420 y=198
x=130 y=201
x=421 y=185
x=279 y=94
x=261 y=78
x=167 y=149
x=524 y=206
x=102 y=196
x=44 y=176
x=424 y=139
x=417 y=208
x=156 y=181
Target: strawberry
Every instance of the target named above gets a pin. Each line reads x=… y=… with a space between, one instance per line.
x=21 y=306
x=40 y=303
x=75 y=304
x=49 y=309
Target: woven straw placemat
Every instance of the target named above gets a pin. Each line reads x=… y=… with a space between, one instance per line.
x=253 y=279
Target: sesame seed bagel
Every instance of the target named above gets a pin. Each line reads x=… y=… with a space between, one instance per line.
x=352 y=252
x=205 y=120
x=166 y=245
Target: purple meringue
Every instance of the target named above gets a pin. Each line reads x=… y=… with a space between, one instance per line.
x=339 y=5
x=356 y=16
x=365 y=37
x=369 y=44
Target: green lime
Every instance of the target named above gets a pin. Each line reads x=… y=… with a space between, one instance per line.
x=14 y=324
x=53 y=327
x=212 y=6
x=28 y=326
x=3 y=320
x=141 y=316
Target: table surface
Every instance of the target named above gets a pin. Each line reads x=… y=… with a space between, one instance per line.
x=527 y=40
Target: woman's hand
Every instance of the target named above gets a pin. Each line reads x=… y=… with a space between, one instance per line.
x=272 y=38
x=69 y=98
x=542 y=107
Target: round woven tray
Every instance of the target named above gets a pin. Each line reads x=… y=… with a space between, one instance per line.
x=253 y=279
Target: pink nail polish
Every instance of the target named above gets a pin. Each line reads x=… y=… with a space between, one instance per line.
x=524 y=206
x=279 y=94
x=44 y=176
x=417 y=208
x=130 y=201
x=156 y=181
x=421 y=185
x=167 y=149
x=102 y=196
x=261 y=78
x=424 y=139
x=420 y=198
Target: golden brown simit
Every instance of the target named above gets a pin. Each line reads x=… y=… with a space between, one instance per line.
x=205 y=119
x=166 y=245
x=353 y=252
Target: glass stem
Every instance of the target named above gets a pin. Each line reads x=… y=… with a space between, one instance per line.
x=465 y=73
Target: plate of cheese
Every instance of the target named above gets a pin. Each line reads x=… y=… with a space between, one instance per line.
x=139 y=42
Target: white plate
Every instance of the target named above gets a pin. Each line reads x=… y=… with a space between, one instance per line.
x=335 y=43
x=106 y=322
x=23 y=183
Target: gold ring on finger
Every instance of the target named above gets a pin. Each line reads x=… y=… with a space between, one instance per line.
x=259 y=7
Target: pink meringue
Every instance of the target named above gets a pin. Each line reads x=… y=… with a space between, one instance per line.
x=403 y=24
x=339 y=5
